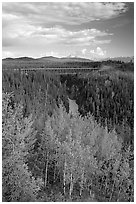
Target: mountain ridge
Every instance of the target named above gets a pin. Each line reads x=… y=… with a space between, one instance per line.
x=69 y=59
x=49 y=58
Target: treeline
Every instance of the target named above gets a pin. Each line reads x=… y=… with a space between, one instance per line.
x=49 y=64
x=119 y=65
x=35 y=63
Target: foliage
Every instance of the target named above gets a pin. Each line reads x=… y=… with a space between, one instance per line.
x=80 y=150
x=108 y=95
x=39 y=92
x=18 y=183
x=52 y=155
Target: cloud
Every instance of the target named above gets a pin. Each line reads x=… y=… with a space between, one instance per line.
x=67 y=37
x=73 y=13
x=99 y=52
x=6 y=54
x=92 y=51
x=46 y=27
x=84 y=51
x=22 y=37
x=23 y=33
x=52 y=53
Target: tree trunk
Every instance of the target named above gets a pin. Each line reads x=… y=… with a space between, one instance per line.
x=71 y=186
x=112 y=191
x=81 y=184
x=46 y=170
x=64 y=177
x=119 y=191
x=54 y=175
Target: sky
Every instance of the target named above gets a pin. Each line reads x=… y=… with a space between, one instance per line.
x=92 y=30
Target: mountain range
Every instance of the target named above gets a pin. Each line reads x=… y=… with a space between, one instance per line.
x=67 y=59
x=50 y=58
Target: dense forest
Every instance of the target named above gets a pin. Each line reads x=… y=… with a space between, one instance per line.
x=50 y=155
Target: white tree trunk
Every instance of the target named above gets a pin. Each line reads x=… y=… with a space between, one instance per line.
x=46 y=170
x=64 y=177
x=71 y=185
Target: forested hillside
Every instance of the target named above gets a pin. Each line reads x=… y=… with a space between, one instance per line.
x=51 y=155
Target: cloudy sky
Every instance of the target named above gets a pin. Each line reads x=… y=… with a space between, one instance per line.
x=90 y=30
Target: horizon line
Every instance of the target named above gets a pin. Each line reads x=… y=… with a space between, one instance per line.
x=66 y=57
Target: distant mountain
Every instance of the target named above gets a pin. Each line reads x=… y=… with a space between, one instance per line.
x=75 y=59
x=48 y=58
x=67 y=59
x=122 y=59
x=19 y=59
x=43 y=62
x=63 y=59
x=51 y=58
x=25 y=58
x=7 y=59
x=52 y=62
